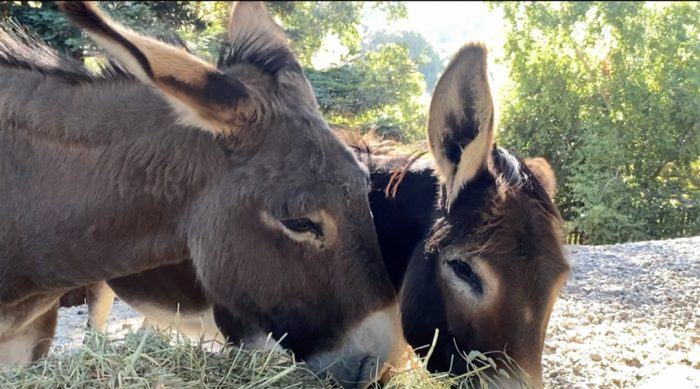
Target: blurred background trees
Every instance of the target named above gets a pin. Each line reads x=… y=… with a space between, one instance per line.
x=609 y=93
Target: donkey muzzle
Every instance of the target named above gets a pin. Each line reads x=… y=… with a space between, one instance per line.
x=368 y=350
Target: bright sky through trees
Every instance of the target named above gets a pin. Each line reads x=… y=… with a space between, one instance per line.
x=446 y=25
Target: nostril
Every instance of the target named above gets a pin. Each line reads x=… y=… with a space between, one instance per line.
x=367 y=369
x=358 y=372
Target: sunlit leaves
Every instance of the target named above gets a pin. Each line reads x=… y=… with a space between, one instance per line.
x=379 y=89
x=610 y=93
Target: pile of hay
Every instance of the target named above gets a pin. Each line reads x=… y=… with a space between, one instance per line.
x=148 y=359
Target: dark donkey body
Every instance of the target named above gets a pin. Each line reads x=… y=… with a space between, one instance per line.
x=233 y=168
x=476 y=249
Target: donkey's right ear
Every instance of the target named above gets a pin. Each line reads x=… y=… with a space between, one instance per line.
x=461 y=120
x=201 y=95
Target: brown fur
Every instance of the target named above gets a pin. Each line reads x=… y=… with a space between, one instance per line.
x=463 y=97
x=179 y=75
x=99 y=298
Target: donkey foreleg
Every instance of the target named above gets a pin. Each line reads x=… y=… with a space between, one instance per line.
x=100 y=298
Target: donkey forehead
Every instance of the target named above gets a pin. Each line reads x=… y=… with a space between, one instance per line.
x=302 y=141
x=505 y=217
x=305 y=167
x=301 y=154
x=513 y=226
x=297 y=196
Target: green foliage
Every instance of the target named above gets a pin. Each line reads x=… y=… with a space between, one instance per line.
x=373 y=88
x=158 y=18
x=377 y=90
x=422 y=53
x=46 y=22
x=308 y=23
x=610 y=94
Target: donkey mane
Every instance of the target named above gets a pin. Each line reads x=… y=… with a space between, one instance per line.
x=397 y=161
x=250 y=49
x=511 y=171
x=514 y=173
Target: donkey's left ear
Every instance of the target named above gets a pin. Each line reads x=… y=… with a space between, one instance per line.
x=201 y=95
x=461 y=121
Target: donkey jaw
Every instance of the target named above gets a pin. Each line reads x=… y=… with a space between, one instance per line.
x=367 y=352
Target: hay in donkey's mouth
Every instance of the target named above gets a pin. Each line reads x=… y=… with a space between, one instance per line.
x=412 y=373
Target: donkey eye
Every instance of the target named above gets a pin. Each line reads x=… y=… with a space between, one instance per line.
x=303 y=225
x=465 y=273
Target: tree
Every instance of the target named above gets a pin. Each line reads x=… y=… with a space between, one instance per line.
x=153 y=17
x=376 y=90
x=609 y=92
x=308 y=23
x=422 y=53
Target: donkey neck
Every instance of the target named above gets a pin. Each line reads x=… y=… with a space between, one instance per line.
x=402 y=221
x=105 y=177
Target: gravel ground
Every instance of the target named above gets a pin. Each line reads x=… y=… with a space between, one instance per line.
x=629 y=313
x=629 y=317
x=71 y=325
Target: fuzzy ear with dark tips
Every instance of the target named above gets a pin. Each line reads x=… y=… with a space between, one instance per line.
x=200 y=94
x=544 y=173
x=461 y=121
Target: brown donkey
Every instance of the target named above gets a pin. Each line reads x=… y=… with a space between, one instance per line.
x=493 y=262
x=484 y=265
x=98 y=181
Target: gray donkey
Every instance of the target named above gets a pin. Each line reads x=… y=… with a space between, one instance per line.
x=248 y=182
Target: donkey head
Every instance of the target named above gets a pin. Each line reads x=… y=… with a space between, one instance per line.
x=281 y=235
x=494 y=264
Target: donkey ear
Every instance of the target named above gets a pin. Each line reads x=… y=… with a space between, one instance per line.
x=250 y=21
x=460 y=124
x=544 y=173
x=201 y=95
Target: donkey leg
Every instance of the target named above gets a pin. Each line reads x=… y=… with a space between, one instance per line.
x=100 y=298
x=32 y=342
x=45 y=330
